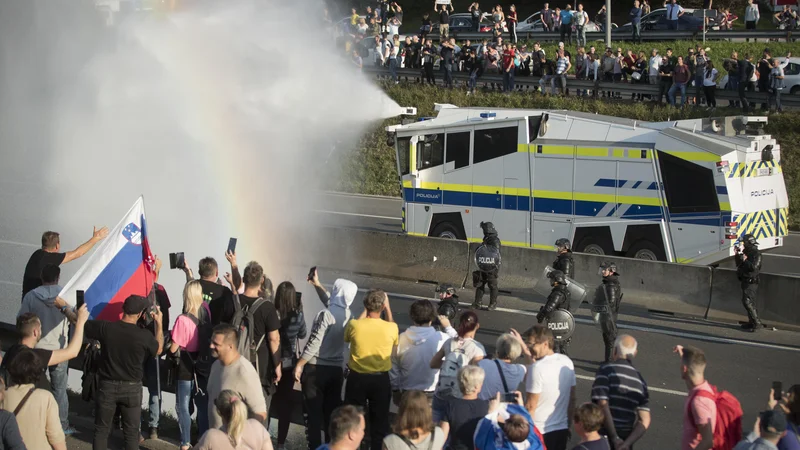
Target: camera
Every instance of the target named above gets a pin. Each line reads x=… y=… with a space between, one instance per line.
x=176 y=260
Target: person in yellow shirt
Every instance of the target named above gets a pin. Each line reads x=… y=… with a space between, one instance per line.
x=373 y=341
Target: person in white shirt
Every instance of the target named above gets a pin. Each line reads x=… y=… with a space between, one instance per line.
x=416 y=346
x=550 y=388
x=751 y=15
x=653 y=65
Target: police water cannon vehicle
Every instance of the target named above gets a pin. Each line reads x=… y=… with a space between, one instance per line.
x=680 y=191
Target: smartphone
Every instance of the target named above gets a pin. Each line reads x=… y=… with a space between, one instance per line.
x=777 y=390
x=311 y=273
x=298 y=296
x=179 y=260
x=231 y=245
x=510 y=397
x=79 y=300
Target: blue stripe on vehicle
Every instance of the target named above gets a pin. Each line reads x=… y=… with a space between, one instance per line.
x=613 y=209
x=606 y=182
x=552 y=205
x=587 y=208
x=653 y=186
x=642 y=210
x=636 y=185
x=722 y=190
x=457 y=198
x=524 y=204
x=486 y=200
x=433 y=196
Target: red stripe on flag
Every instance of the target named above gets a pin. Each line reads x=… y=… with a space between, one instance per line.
x=139 y=283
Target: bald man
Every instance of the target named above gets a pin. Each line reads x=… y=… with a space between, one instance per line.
x=620 y=388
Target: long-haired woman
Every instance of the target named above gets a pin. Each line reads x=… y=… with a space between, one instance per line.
x=293 y=328
x=413 y=426
x=237 y=432
x=186 y=338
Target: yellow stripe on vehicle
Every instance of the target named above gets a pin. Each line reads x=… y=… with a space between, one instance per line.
x=525 y=148
x=558 y=149
x=619 y=153
x=724 y=206
x=593 y=151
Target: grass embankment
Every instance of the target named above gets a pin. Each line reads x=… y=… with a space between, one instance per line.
x=372 y=169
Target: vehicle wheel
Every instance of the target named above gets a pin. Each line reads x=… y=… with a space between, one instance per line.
x=795 y=90
x=646 y=250
x=591 y=246
x=446 y=230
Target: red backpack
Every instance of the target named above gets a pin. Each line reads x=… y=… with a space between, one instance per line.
x=728 y=430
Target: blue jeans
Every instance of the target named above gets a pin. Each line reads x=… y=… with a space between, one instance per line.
x=637 y=32
x=153 y=407
x=393 y=68
x=581 y=34
x=59 y=374
x=508 y=81
x=183 y=395
x=672 y=25
x=673 y=89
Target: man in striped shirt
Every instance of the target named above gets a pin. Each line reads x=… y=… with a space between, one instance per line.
x=622 y=393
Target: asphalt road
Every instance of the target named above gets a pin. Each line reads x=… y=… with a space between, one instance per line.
x=373 y=213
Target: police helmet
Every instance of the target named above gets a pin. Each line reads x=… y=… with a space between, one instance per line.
x=563 y=244
x=607 y=265
x=447 y=290
x=749 y=239
x=449 y=308
x=488 y=228
x=557 y=276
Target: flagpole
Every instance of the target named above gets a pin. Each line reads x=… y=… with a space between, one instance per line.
x=158 y=357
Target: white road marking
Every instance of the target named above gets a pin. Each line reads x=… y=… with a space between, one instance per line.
x=11 y=283
x=681 y=334
x=357 y=215
x=649 y=388
x=781 y=256
x=24 y=244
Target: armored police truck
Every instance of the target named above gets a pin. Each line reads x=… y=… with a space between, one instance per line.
x=680 y=191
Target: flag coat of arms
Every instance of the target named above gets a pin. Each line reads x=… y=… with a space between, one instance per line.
x=122 y=265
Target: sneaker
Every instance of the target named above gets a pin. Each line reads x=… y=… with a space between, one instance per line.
x=475 y=305
x=153 y=433
x=70 y=430
x=492 y=306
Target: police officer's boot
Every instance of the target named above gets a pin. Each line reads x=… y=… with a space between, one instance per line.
x=492 y=305
x=478 y=298
x=754 y=322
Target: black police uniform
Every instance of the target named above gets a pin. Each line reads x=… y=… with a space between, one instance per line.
x=608 y=320
x=558 y=299
x=490 y=239
x=748 y=271
x=565 y=263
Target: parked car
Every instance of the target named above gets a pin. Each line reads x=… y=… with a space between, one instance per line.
x=791 y=75
x=533 y=24
x=464 y=23
x=657 y=20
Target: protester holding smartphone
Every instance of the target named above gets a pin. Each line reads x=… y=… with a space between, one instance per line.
x=789 y=403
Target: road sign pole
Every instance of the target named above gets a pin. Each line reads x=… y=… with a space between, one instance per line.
x=608 y=23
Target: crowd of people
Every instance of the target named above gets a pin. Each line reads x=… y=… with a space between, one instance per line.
x=237 y=357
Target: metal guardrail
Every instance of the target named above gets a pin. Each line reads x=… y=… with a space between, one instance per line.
x=651 y=35
x=528 y=82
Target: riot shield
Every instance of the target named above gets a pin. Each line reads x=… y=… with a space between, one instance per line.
x=577 y=291
x=561 y=323
x=487 y=258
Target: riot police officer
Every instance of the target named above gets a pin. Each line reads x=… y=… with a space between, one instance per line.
x=558 y=299
x=564 y=261
x=748 y=267
x=606 y=306
x=488 y=271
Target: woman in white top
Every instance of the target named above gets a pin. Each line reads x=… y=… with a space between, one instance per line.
x=413 y=426
x=499 y=17
x=710 y=85
x=237 y=432
x=466 y=345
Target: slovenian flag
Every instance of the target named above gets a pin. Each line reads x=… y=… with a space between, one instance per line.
x=122 y=265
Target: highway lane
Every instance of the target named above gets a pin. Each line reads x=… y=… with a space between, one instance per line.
x=376 y=213
x=741 y=363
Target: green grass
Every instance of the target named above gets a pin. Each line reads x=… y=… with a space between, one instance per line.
x=372 y=167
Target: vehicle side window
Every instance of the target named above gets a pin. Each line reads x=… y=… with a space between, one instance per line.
x=430 y=151
x=458 y=149
x=494 y=143
x=792 y=69
x=689 y=187
x=403 y=145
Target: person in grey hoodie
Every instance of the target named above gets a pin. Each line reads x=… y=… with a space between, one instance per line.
x=54 y=315
x=411 y=370
x=320 y=370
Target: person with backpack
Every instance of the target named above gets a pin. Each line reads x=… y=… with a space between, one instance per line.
x=191 y=337
x=455 y=354
x=258 y=325
x=373 y=341
x=293 y=328
x=712 y=419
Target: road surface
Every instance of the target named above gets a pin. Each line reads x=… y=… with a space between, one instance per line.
x=374 y=213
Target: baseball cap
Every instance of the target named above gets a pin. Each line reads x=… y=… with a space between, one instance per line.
x=773 y=421
x=135 y=304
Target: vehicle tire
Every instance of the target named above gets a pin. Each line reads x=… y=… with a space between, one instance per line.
x=795 y=90
x=446 y=230
x=591 y=246
x=646 y=250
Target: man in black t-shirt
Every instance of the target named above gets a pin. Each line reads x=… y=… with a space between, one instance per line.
x=124 y=347
x=29 y=328
x=266 y=323
x=50 y=254
x=462 y=414
x=218 y=297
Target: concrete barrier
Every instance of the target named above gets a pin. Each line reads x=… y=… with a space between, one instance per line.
x=520 y=268
x=394 y=255
x=776 y=301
